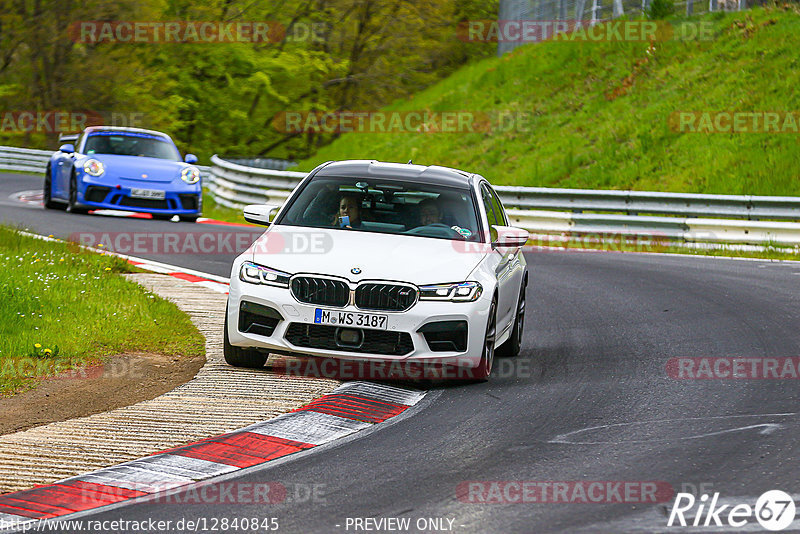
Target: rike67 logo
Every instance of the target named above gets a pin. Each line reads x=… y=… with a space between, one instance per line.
x=774 y=510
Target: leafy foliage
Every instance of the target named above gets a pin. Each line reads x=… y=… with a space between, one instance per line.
x=660 y=9
x=599 y=113
x=216 y=97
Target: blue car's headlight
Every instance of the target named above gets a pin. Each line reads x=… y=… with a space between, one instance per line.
x=254 y=273
x=93 y=167
x=190 y=175
x=456 y=292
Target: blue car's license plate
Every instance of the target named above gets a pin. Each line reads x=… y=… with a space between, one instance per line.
x=147 y=193
x=355 y=319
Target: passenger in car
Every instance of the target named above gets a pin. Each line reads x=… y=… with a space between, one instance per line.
x=349 y=215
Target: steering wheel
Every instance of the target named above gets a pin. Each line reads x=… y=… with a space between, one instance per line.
x=435 y=229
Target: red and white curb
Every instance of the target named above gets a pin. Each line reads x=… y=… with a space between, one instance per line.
x=216 y=283
x=346 y=410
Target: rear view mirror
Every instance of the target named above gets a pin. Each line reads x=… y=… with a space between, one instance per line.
x=190 y=158
x=67 y=148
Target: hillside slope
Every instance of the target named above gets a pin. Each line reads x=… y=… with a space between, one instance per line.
x=601 y=113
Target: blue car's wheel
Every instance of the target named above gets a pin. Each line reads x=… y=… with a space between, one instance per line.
x=72 y=206
x=47 y=198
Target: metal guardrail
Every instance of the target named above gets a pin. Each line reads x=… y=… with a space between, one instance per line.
x=689 y=218
x=562 y=211
x=23 y=159
x=635 y=202
x=32 y=160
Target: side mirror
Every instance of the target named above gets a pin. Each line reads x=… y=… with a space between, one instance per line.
x=262 y=214
x=508 y=236
x=67 y=148
x=190 y=158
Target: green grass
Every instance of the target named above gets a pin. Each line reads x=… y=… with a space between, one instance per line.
x=600 y=113
x=212 y=210
x=75 y=304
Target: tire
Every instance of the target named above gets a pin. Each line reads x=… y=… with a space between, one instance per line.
x=72 y=205
x=47 y=198
x=239 y=357
x=484 y=368
x=189 y=218
x=511 y=347
x=161 y=216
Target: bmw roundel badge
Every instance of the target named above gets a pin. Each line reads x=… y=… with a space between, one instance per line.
x=355 y=270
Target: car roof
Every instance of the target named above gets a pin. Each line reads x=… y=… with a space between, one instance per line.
x=398 y=171
x=92 y=129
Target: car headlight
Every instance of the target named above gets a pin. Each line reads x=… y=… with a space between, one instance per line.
x=190 y=175
x=254 y=273
x=456 y=292
x=93 y=167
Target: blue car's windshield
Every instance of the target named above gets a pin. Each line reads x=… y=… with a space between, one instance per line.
x=131 y=144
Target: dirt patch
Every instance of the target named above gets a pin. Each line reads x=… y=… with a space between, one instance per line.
x=120 y=381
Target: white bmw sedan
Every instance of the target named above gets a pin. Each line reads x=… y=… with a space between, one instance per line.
x=381 y=262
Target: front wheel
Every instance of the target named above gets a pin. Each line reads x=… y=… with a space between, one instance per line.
x=189 y=218
x=239 y=357
x=72 y=205
x=484 y=368
x=511 y=347
x=47 y=197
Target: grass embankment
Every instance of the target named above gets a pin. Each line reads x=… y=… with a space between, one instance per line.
x=601 y=110
x=213 y=210
x=62 y=308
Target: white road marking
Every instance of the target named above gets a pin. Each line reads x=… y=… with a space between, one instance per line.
x=768 y=428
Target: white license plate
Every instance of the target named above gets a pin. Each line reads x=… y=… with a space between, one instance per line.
x=147 y=193
x=374 y=321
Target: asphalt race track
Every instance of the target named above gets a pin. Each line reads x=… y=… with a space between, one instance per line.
x=589 y=399
x=65 y=225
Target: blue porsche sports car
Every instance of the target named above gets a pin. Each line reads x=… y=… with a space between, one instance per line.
x=124 y=169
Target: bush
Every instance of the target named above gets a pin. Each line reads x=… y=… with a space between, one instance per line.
x=660 y=9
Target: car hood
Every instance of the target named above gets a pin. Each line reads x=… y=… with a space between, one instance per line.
x=133 y=167
x=415 y=259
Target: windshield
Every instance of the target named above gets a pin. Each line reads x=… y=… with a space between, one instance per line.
x=385 y=206
x=131 y=144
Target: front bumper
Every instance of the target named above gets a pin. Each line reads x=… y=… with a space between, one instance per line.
x=106 y=193
x=292 y=312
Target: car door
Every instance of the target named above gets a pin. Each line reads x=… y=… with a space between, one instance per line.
x=504 y=256
x=514 y=269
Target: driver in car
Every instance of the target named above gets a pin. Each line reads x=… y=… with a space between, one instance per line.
x=429 y=212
